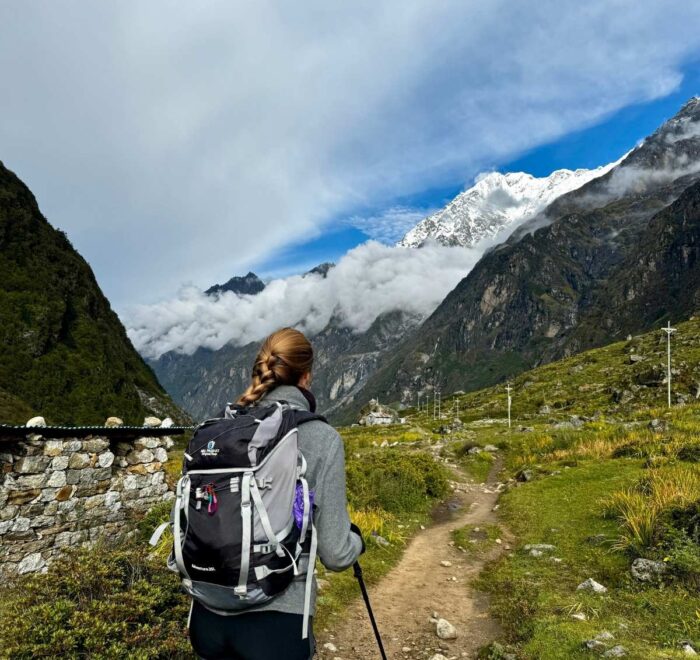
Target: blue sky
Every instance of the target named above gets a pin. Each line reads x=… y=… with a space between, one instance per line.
x=268 y=135
x=588 y=148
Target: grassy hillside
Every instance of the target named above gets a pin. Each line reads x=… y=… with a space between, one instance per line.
x=602 y=471
x=65 y=353
x=614 y=380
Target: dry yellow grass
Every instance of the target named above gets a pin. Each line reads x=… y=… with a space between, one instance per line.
x=640 y=507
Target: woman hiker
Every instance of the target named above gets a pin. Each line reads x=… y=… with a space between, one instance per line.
x=282 y=372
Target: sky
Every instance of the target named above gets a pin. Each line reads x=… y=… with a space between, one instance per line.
x=183 y=143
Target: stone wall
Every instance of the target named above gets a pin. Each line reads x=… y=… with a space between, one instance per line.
x=63 y=492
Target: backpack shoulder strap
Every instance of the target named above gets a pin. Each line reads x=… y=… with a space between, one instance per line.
x=303 y=416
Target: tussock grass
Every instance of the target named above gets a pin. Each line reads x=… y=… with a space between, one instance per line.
x=640 y=508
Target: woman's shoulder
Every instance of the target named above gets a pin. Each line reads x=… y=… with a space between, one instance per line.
x=317 y=430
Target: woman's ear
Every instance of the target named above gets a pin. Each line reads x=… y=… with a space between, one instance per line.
x=305 y=380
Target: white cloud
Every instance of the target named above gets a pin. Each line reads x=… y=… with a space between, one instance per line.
x=187 y=141
x=391 y=225
x=367 y=281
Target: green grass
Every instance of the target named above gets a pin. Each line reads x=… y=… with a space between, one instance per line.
x=535 y=597
x=476 y=539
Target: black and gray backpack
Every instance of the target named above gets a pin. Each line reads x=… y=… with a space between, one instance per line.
x=243 y=512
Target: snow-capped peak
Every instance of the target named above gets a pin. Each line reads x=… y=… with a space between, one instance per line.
x=495 y=201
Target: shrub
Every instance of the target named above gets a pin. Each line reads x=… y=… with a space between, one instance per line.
x=110 y=601
x=395 y=481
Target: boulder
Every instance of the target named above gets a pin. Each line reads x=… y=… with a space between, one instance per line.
x=657 y=425
x=647 y=570
x=36 y=421
x=380 y=540
x=525 y=475
x=687 y=648
x=167 y=423
x=445 y=630
x=594 y=645
x=591 y=585
x=616 y=652
x=152 y=422
x=490 y=448
x=113 y=422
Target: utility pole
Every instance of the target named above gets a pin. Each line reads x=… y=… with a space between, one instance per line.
x=510 y=399
x=669 y=331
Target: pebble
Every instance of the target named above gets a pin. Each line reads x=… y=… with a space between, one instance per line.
x=329 y=646
x=616 y=652
x=687 y=648
x=579 y=616
x=445 y=563
x=406 y=649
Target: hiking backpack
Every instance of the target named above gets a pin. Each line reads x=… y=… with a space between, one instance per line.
x=243 y=511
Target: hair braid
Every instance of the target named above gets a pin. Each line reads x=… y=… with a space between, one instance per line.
x=283 y=358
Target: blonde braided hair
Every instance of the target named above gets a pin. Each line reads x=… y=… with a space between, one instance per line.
x=284 y=357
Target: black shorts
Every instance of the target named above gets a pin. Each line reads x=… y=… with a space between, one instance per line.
x=251 y=636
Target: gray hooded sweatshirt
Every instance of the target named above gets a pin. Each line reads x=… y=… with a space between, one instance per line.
x=338 y=547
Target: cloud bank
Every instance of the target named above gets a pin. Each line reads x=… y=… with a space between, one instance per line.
x=188 y=141
x=369 y=280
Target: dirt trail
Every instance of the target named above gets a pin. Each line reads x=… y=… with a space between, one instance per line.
x=404 y=600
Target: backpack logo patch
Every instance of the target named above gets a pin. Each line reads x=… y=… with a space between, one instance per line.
x=210 y=450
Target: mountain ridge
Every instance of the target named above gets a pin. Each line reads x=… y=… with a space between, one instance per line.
x=66 y=354
x=493 y=203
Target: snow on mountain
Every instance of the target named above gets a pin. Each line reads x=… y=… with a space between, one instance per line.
x=493 y=202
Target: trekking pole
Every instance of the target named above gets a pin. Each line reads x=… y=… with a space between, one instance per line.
x=357 y=570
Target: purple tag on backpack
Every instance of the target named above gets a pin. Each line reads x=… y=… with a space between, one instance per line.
x=299 y=505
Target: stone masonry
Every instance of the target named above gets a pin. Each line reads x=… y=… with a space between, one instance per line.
x=64 y=492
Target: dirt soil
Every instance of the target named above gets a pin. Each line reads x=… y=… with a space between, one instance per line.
x=405 y=599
